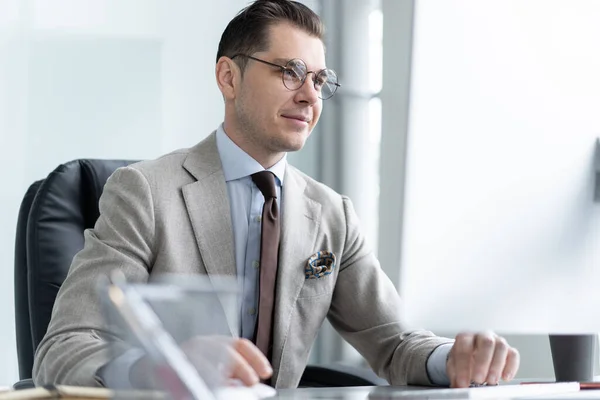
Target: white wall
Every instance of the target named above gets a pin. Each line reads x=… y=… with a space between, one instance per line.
x=100 y=78
x=503 y=126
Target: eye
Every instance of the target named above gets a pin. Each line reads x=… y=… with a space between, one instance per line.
x=298 y=67
x=325 y=78
x=291 y=75
x=320 y=80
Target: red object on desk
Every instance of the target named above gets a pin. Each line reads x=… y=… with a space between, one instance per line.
x=589 y=385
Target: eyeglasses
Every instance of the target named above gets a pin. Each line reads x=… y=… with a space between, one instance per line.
x=295 y=71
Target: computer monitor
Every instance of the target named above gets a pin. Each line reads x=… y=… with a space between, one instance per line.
x=502 y=207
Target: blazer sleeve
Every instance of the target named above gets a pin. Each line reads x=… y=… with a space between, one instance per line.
x=77 y=344
x=365 y=310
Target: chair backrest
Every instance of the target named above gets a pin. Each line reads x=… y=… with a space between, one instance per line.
x=53 y=216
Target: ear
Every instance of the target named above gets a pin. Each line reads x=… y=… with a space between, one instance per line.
x=228 y=76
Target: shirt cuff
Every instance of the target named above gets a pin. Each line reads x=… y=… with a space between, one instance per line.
x=115 y=374
x=436 y=365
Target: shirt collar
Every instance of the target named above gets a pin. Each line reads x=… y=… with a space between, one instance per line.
x=238 y=164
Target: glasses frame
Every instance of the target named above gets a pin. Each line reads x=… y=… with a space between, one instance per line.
x=284 y=68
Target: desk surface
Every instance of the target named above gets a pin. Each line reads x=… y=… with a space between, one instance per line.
x=345 y=393
x=543 y=391
x=563 y=391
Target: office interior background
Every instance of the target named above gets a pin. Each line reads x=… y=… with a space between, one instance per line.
x=133 y=79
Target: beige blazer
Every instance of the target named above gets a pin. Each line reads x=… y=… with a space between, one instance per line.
x=172 y=215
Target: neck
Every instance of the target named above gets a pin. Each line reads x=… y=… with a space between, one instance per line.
x=263 y=156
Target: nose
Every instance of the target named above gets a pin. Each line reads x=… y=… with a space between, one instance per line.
x=307 y=92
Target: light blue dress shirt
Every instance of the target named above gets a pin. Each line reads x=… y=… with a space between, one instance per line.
x=436 y=365
x=246 y=202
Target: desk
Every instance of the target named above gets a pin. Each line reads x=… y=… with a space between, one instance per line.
x=345 y=393
x=504 y=391
x=563 y=391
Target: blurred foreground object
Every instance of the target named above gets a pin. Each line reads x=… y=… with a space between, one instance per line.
x=184 y=328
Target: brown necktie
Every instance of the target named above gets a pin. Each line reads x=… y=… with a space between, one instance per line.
x=269 y=251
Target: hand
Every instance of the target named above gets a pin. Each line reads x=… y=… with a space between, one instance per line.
x=249 y=363
x=481 y=358
x=239 y=358
x=209 y=354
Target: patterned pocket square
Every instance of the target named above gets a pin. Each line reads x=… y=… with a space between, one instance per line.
x=319 y=264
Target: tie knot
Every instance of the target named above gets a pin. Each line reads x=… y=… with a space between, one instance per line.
x=265 y=181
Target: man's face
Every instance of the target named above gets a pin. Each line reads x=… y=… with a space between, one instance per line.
x=272 y=117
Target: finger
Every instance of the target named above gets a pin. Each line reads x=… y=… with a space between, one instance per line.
x=462 y=357
x=498 y=361
x=482 y=356
x=254 y=357
x=512 y=364
x=241 y=369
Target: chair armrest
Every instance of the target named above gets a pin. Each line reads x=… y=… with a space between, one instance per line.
x=339 y=375
x=24 y=384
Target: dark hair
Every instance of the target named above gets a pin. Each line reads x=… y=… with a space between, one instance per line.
x=248 y=32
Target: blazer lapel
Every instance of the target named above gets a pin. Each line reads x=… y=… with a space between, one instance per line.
x=300 y=224
x=207 y=205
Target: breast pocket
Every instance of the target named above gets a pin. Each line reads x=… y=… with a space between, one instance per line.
x=318 y=287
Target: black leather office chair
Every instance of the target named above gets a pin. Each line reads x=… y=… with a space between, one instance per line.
x=53 y=215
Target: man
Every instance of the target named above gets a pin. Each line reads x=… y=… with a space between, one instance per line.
x=197 y=210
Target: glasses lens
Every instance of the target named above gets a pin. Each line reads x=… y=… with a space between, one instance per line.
x=326 y=83
x=294 y=74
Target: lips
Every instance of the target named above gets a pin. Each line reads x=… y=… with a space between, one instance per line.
x=299 y=117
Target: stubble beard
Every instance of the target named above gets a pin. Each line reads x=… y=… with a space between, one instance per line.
x=262 y=139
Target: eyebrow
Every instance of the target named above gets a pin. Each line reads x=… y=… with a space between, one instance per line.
x=284 y=61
